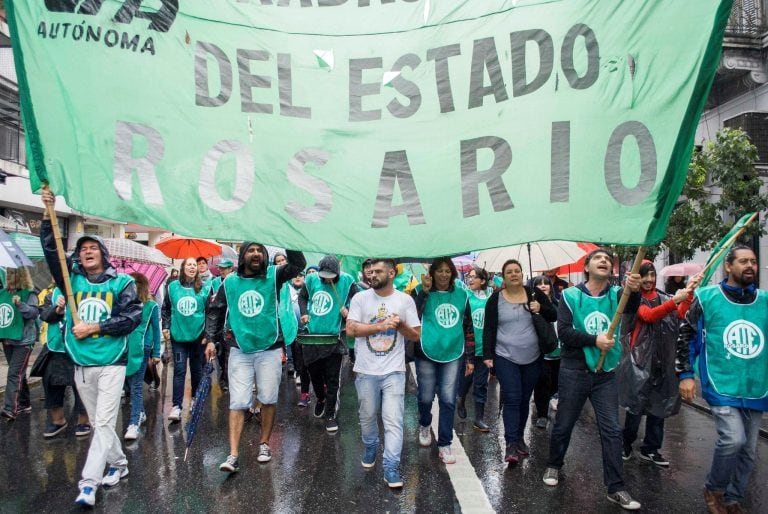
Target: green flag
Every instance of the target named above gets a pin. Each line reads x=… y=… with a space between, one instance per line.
x=726 y=243
x=369 y=127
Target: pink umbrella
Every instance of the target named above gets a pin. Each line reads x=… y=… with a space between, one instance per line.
x=155 y=273
x=682 y=269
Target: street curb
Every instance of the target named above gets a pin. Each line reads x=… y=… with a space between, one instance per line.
x=707 y=410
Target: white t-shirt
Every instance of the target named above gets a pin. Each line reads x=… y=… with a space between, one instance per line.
x=380 y=354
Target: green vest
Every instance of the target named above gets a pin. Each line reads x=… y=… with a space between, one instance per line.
x=94 y=304
x=252 y=310
x=55 y=340
x=215 y=284
x=734 y=339
x=11 y=322
x=592 y=315
x=188 y=311
x=288 y=322
x=477 y=305
x=442 y=331
x=136 y=340
x=325 y=303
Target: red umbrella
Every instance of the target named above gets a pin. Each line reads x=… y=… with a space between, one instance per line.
x=177 y=247
x=578 y=266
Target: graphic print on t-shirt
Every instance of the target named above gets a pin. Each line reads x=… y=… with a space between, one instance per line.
x=383 y=343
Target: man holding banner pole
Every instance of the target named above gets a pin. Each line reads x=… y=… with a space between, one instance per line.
x=108 y=309
x=583 y=327
x=246 y=308
x=725 y=331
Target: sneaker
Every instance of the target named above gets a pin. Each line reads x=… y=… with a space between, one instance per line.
x=231 y=465
x=551 y=477
x=132 y=433
x=369 y=458
x=82 y=430
x=481 y=426
x=303 y=400
x=53 y=430
x=319 y=408
x=7 y=415
x=113 y=476
x=175 y=414
x=626 y=452
x=253 y=414
x=331 y=425
x=541 y=423
x=392 y=478
x=24 y=410
x=87 y=497
x=654 y=457
x=425 y=436
x=142 y=418
x=446 y=455
x=624 y=499
x=265 y=455
x=522 y=449
x=553 y=403
x=510 y=455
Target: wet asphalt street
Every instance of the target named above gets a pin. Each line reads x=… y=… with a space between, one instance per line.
x=312 y=471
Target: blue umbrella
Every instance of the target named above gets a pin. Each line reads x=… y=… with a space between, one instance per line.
x=11 y=256
x=197 y=411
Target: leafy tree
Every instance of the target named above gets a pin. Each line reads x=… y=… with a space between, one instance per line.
x=722 y=185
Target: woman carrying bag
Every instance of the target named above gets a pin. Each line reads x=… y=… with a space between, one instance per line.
x=511 y=345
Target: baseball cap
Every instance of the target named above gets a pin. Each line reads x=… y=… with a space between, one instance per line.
x=329 y=267
x=226 y=263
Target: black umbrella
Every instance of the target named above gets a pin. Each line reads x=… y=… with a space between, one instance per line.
x=197 y=411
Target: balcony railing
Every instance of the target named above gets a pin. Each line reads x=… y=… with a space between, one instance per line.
x=747 y=19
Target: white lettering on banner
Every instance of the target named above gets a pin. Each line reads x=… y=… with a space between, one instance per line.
x=743 y=339
x=478 y=319
x=92 y=310
x=447 y=315
x=186 y=306
x=6 y=315
x=321 y=303
x=250 y=304
x=596 y=323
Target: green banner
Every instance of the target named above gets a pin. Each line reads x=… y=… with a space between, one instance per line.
x=718 y=254
x=369 y=127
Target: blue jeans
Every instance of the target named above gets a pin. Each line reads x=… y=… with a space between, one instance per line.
x=137 y=389
x=478 y=379
x=441 y=378
x=654 y=431
x=576 y=386
x=516 y=382
x=195 y=353
x=735 y=451
x=385 y=393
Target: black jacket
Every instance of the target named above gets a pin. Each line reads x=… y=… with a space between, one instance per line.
x=548 y=312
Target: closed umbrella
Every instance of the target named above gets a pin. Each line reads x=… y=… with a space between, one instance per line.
x=197 y=411
x=177 y=247
x=539 y=256
x=11 y=256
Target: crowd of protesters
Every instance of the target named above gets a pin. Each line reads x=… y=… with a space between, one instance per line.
x=270 y=313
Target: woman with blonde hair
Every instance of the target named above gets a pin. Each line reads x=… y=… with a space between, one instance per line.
x=18 y=333
x=147 y=337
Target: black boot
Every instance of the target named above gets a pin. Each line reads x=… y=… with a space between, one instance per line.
x=461 y=408
x=479 y=424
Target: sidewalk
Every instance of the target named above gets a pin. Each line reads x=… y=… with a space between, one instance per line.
x=33 y=381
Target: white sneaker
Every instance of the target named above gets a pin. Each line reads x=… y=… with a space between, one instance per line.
x=446 y=455
x=87 y=496
x=142 y=418
x=132 y=433
x=425 y=436
x=553 y=404
x=175 y=414
x=113 y=476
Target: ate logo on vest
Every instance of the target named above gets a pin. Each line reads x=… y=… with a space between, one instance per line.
x=447 y=315
x=6 y=315
x=743 y=339
x=92 y=310
x=250 y=303
x=596 y=323
x=321 y=303
x=478 y=318
x=186 y=306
